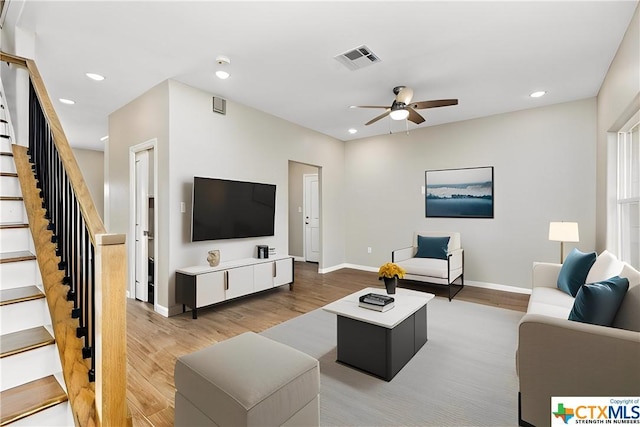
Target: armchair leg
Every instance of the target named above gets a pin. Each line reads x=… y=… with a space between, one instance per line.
x=449 y=278
x=459 y=289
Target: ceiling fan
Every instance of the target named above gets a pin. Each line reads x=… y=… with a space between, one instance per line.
x=402 y=107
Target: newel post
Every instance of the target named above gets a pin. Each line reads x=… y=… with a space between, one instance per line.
x=111 y=326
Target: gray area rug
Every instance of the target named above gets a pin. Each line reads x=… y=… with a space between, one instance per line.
x=463 y=376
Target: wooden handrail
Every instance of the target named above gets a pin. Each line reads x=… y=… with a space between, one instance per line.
x=102 y=403
x=88 y=209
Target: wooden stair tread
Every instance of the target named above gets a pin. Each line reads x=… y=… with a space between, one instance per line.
x=27 y=399
x=9 y=174
x=7 y=225
x=16 y=256
x=11 y=198
x=25 y=340
x=16 y=295
x=6 y=153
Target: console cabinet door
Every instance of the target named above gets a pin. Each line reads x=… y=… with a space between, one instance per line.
x=239 y=282
x=263 y=276
x=284 y=272
x=209 y=288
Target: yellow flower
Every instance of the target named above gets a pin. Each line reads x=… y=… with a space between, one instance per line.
x=391 y=270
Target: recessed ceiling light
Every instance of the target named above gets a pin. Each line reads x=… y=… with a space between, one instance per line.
x=537 y=94
x=222 y=74
x=94 y=76
x=66 y=101
x=352 y=131
x=104 y=138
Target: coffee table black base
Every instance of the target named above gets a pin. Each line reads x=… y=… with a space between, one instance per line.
x=380 y=351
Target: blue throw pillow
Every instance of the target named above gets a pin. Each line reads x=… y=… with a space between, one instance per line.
x=433 y=247
x=598 y=303
x=573 y=273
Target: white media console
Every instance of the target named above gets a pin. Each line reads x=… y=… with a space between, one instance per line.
x=201 y=286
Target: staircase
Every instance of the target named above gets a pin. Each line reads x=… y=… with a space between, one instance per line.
x=31 y=387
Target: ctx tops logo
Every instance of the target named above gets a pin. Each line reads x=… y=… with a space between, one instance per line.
x=595 y=410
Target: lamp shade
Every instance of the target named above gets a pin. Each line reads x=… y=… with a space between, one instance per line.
x=563 y=232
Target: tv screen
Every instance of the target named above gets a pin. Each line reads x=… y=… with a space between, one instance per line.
x=224 y=209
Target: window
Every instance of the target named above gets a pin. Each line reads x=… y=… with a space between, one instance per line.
x=628 y=194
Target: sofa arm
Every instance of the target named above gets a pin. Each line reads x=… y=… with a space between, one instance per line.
x=558 y=357
x=402 y=254
x=456 y=259
x=545 y=274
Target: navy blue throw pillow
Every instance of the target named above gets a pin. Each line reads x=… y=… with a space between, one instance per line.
x=573 y=273
x=433 y=247
x=598 y=303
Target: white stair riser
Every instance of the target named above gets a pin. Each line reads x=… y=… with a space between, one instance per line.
x=10 y=186
x=15 y=239
x=12 y=211
x=56 y=416
x=17 y=274
x=29 y=366
x=24 y=315
x=7 y=164
x=5 y=144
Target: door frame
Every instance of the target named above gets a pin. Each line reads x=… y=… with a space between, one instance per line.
x=304 y=228
x=151 y=144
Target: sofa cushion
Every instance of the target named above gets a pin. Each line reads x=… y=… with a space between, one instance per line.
x=598 y=303
x=550 y=302
x=430 y=267
x=606 y=266
x=433 y=247
x=574 y=271
x=628 y=316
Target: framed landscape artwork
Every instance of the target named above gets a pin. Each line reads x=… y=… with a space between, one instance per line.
x=459 y=193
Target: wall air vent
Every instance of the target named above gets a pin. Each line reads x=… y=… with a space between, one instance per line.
x=357 y=58
x=219 y=105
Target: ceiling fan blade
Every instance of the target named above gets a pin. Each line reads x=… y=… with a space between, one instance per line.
x=404 y=95
x=381 y=116
x=433 y=104
x=414 y=116
x=369 y=106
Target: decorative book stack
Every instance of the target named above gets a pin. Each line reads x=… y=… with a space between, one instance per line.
x=376 y=302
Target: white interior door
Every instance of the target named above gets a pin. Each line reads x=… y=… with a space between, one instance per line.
x=311 y=218
x=142 y=225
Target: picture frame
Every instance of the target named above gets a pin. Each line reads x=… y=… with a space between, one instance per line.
x=459 y=193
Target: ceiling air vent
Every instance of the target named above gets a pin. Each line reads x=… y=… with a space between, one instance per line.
x=357 y=58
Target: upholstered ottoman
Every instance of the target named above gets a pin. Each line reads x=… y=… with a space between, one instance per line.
x=247 y=380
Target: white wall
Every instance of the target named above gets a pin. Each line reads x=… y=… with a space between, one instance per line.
x=618 y=99
x=244 y=144
x=544 y=170
x=143 y=119
x=91 y=164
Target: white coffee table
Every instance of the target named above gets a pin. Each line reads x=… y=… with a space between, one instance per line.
x=381 y=343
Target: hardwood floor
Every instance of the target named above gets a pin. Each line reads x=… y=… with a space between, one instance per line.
x=155 y=342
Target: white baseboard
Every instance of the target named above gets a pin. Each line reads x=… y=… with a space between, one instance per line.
x=168 y=312
x=332 y=268
x=474 y=283
x=498 y=287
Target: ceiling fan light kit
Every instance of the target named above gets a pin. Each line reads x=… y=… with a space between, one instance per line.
x=402 y=108
x=399 y=114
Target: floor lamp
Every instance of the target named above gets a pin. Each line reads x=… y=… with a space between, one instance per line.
x=563 y=232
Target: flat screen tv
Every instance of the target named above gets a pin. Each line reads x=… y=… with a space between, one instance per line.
x=225 y=209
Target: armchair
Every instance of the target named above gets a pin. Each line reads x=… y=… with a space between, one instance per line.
x=444 y=270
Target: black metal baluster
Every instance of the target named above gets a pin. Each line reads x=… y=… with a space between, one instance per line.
x=71 y=235
x=92 y=316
